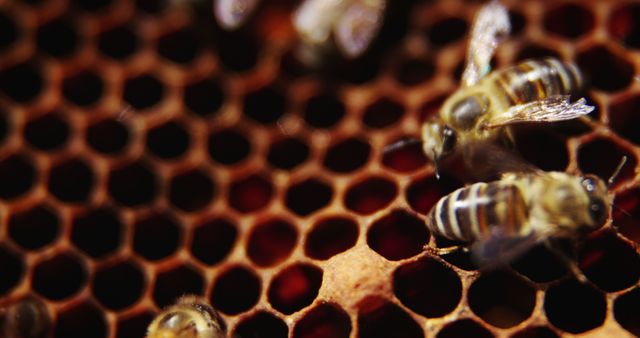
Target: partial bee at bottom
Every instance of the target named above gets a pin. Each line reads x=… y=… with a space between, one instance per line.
x=189 y=317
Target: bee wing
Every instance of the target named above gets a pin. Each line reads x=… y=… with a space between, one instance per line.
x=489 y=161
x=359 y=24
x=314 y=19
x=490 y=26
x=231 y=14
x=501 y=248
x=551 y=109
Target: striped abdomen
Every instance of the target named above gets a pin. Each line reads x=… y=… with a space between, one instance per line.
x=468 y=214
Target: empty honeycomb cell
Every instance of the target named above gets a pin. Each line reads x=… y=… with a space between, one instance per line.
x=12 y=269
x=624 y=117
x=537 y=153
x=423 y=193
x=518 y=22
x=235 y=290
x=381 y=319
x=17 y=175
x=118 y=286
x=262 y=325
x=574 y=307
x=626 y=214
x=323 y=110
x=191 y=191
x=156 y=236
x=118 y=42
x=265 y=105
x=204 y=97
x=501 y=299
x=414 y=71
x=143 y=91
x=288 y=153
x=47 y=132
x=370 y=195
x=427 y=287
x=271 y=242
x=92 y=6
x=534 y=51
x=626 y=311
x=212 y=240
x=610 y=263
x=228 y=146
x=535 y=332
x=133 y=326
x=462 y=259
x=601 y=156
x=623 y=24
x=331 y=236
x=605 y=70
x=168 y=140
x=35 y=227
x=446 y=31
x=150 y=6
x=108 y=136
x=464 y=328
x=10 y=31
x=60 y=276
x=179 y=46
x=308 y=196
x=239 y=51
x=58 y=38
x=22 y=82
x=71 y=181
x=347 y=155
x=569 y=20
x=5 y=127
x=406 y=158
x=81 y=320
x=294 y=288
x=133 y=184
x=250 y=194
x=540 y=265
x=97 y=232
x=383 y=113
x=324 y=320
x=179 y=281
x=397 y=235
x=83 y=89
x=431 y=107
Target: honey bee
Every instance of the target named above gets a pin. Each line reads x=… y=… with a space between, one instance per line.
x=189 y=317
x=27 y=318
x=231 y=14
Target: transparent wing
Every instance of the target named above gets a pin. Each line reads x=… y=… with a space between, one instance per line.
x=551 y=109
x=231 y=14
x=488 y=161
x=501 y=248
x=358 y=26
x=314 y=19
x=491 y=25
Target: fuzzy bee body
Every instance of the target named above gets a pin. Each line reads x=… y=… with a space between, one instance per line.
x=189 y=317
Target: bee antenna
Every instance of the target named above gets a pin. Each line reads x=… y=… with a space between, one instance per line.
x=436 y=165
x=617 y=171
x=401 y=143
x=621 y=210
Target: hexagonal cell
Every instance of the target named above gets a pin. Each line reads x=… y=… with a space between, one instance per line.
x=71 y=181
x=294 y=288
x=11 y=32
x=156 y=236
x=235 y=290
x=17 y=175
x=108 y=136
x=370 y=195
x=250 y=194
x=143 y=91
x=270 y=242
x=132 y=185
x=537 y=153
x=623 y=117
x=265 y=105
x=204 y=97
x=464 y=328
x=331 y=236
x=168 y=141
x=212 y=240
x=405 y=158
x=383 y=113
x=501 y=299
x=22 y=82
x=427 y=287
x=118 y=285
x=397 y=235
x=574 y=307
x=92 y=6
x=623 y=24
x=540 y=265
x=228 y=146
x=83 y=89
x=324 y=320
x=12 y=267
x=518 y=22
x=134 y=326
x=47 y=132
x=97 y=232
x=347 y=155
x=239 y=51
x=191 y=191
x=172 y=284
x=536 y=51
x=535 y=332
x=118 y=42
x=59 y=277
x=423 y=193
x=323 y=111
x=379 y=318
x=5 y=126
x=447 y=30
x=262 y=324
x=569 y=21
x=288 y=153
x=414 y=71
x=601 y=156
x=626 y=214
x=58 y=38
x=606 y=71
x=180 y=46
x=35 y=227
x=308 y=196
x=626 y=311
x=150 y=7
x=81 y=320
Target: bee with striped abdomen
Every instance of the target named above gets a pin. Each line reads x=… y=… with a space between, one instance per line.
x=189 y=317
x=26 y=318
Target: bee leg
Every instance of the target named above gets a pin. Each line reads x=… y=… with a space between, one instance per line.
x=447 y=250
x=568 y=261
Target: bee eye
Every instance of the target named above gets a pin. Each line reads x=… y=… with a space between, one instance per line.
x=598 y=211
x=448 y=140
x=589 y=184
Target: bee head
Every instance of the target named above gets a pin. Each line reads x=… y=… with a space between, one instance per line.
x=465 y=111
x=438 y=140
x=598 y=206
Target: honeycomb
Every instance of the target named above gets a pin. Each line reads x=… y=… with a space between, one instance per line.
x=145 y=154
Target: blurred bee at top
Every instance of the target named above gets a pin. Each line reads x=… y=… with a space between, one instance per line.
x=26 y=318
x=231 y=14
x=189 y=317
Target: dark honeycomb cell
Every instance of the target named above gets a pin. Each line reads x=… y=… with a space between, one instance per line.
x=623 y=25
x=229 y=146
x=518 y=22
x=378 y=318
x=323 y=321
x=83 y=89
x=47 y=132
x=81 y=320
x=540 y=265
x=262 y=325
x=265 y=105
x=250 y=194
x=118 y=286
x=132 y=185
x=152 y=7
x=71 y=181
x=118 y=42
x=308 y=196
x=464 y=328
x=191 y=191
x=605 y=70
x=294 y=288
x=97 y=232
x=180 y=46
x=462 y=259
x=236 y=290
x=35 y=227
x=271 y=242
x=447 y=30
x=5 y=126
x=58 y=38
x=626 y=214
x=10 y=32
x=59 y=277
x=174 y=283
x=623 y=118
x=370 y=195
x=239 y=52
x=404 y=158
x=108 y=136
x=91 y=6
x=535 y=51
x=424 y=193
x=212 y=240
x=501 y=299
x=569 y=21
x=22 y=82
x=601 y=156
x=536 y=332
x=537 y=153
x=168 y=141
x=414 y=71
x=397 y=235
x=383 y=113
x=12 y=267
x=204 y=97
x=323 y=111
x=331 y=236
x=143 y=91
x=347 y=155
x=288 y=153
x=134 y=326
x=156 y=236
x=626 y=311
x=427 y=287
x=431 y=108
x=17 y=175
x=574 y=307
